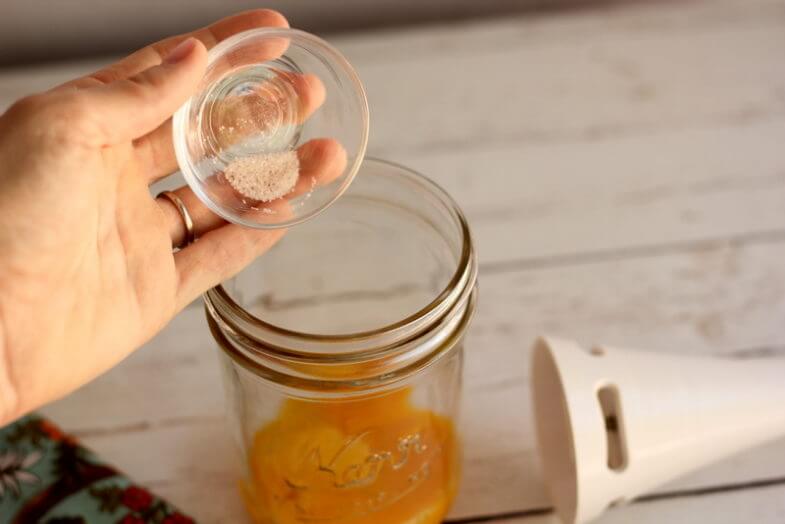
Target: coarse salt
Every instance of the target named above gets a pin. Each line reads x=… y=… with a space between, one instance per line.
x=265 y=176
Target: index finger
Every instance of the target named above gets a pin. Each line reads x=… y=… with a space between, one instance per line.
x=153 y=54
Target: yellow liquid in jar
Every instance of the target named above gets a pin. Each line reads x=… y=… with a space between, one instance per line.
x=377 y=460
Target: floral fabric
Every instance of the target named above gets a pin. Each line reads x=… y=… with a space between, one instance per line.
x=47 y=477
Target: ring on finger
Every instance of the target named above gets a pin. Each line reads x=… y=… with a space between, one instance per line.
x=177 y=202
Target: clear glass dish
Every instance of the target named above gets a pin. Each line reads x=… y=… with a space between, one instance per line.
x=276 y=131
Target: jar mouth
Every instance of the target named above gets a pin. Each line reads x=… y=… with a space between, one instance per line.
x=365 y=344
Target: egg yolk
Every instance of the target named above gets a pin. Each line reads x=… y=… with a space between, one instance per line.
x=379 y=460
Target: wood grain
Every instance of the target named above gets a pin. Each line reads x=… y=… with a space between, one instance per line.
x=623 y=173
x=703 y=301
x=766 y=504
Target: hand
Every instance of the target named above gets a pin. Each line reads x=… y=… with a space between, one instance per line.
x=87 y=272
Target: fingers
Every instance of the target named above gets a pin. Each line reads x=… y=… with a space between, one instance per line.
x=217 y=256
x=321 y=162
x=203 y=219
x=134 y=106
x=309 y=90
x=153 y=54
x=241 y=116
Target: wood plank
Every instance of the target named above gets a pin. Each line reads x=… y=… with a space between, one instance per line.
x=587 y=73
x=529 y=31
x=700 y=158
x=709 y=299
x=762 y=505
x=557 y=200
x=646 y=114
x=543 y=29
x=498 y=85
x=82 y=28
x=706 y=300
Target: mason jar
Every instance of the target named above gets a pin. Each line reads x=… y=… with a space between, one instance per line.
x=342 y=352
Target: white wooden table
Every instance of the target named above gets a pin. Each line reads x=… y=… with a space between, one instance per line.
x=624 y=172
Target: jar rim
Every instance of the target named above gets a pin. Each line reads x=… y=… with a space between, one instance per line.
x=344 y=385
x=460 y=286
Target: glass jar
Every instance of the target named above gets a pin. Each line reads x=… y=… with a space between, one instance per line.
x=342 y=353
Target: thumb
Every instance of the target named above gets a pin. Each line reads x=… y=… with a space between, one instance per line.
x=134 y=106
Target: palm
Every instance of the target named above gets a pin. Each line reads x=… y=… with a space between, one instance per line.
x=136 y=281
x=96 y=267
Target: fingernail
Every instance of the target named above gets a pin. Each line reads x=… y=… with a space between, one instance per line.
x=182 y=50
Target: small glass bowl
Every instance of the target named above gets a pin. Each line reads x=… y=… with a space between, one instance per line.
x=268 y=93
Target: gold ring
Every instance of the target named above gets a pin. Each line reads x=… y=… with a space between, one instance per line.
x=188 y=222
